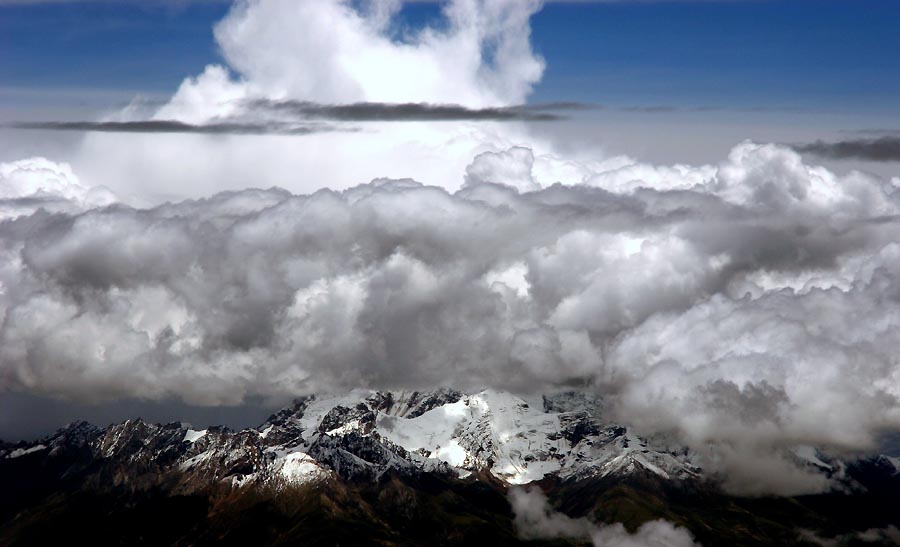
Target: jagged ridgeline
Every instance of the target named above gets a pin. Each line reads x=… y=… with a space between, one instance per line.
x=404 y=468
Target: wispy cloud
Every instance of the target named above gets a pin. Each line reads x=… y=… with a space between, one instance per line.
x=171 y=126
x=886 y=148
x=309 y=117
x=372 y=111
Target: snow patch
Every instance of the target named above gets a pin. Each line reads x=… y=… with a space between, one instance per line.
x=810 y=455
x=19 y=452
x=196 y=460
x=300 y=468
x=192 y=436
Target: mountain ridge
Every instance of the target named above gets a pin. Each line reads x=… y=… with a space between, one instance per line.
x=431 y=456
x=366 y=432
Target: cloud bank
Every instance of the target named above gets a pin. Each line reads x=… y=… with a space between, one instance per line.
x=752 y=305
x=271 y=118
x=162 y=126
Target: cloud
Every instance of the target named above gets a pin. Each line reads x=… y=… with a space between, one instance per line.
x=362 y=112
x=303 y=111
x=37 y=183
x=748 y=306
x=339 y=63
x=536 y=519
x=886 y=148
x=655 y=109
x=169 y=126
x=889 y=535
x=334 y=53
x=511 y=167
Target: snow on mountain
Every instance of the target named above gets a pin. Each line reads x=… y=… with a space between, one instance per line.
x=297 y=467
x=364 y=434
x=192 y=436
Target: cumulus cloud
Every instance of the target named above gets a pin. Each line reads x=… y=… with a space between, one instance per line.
x=38 y=183
x=513 y=167
x=748 y=306
x=536 y=519
x=341 y=63
x=343 y=52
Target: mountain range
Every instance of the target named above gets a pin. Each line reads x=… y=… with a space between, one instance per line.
x=412 y=468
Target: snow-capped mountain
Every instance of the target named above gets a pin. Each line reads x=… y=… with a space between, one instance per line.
x=364 y=434
x=406 y=468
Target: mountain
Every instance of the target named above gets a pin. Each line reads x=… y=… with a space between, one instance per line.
x=405 y=468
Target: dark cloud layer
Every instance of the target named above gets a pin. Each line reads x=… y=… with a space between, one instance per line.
x=886 y=148
x=388 y=112
x=171 y=126
x=308 y=117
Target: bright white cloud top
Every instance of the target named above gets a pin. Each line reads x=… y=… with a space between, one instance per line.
x=333 y=52
x=756 y=309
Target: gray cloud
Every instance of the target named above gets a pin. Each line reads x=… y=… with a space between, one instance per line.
x=172 y=126
x=873 y=131
x=652 y=109
x=747 y=307
x=390 y=112
x=885 y=148
x=310 y=118
x=535 y=519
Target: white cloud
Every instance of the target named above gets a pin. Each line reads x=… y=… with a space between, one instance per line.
x=752 y=311
x=333 y=52
x=513 y=167
x=30 y=184
x=536 y=519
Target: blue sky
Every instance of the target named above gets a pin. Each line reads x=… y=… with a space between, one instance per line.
x=833 y=55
